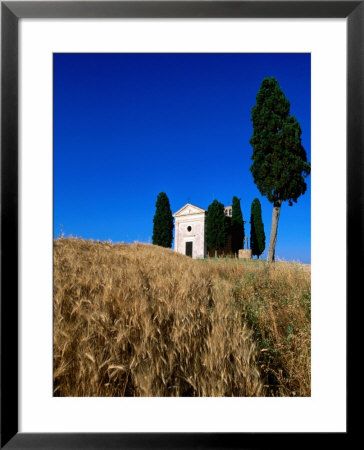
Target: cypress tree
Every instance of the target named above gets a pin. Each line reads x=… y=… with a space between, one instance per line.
x=257 y=235
x=163 y=222
x=237 y=226
x=279 y=159
x=216 y=226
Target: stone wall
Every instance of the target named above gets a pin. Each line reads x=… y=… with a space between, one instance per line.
x=245 y=253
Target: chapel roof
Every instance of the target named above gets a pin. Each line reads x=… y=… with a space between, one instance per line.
x=188 y=208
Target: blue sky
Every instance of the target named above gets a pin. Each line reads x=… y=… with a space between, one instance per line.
x=128 y=126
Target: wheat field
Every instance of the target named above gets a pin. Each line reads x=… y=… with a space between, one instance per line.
x=141 y=320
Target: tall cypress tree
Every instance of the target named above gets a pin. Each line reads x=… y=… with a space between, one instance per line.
x=216 y=226
x=237 y=226
x=163 y=222
x=279 y=159
x=257 y=235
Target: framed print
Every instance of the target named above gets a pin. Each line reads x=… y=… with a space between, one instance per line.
x=108 y=106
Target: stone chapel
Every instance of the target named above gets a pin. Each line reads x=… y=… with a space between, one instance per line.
x=189 y=233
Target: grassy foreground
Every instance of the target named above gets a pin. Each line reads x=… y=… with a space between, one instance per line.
x=140 y=320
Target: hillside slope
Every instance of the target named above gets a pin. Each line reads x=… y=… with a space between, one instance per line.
x=140 y=320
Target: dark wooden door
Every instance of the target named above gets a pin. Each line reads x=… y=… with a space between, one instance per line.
x=189 y=249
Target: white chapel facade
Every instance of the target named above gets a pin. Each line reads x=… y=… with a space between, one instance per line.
x=189 y=234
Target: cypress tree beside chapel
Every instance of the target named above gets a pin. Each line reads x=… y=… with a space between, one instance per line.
x=216 y=226
x=237 y=226
x=279 y=159
x=163 y=222
x=257 y=235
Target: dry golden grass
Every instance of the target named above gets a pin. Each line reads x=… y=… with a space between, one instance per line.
x=140 y=320
x=275 y=302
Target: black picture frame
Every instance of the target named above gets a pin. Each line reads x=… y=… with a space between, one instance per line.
x=11 y=12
